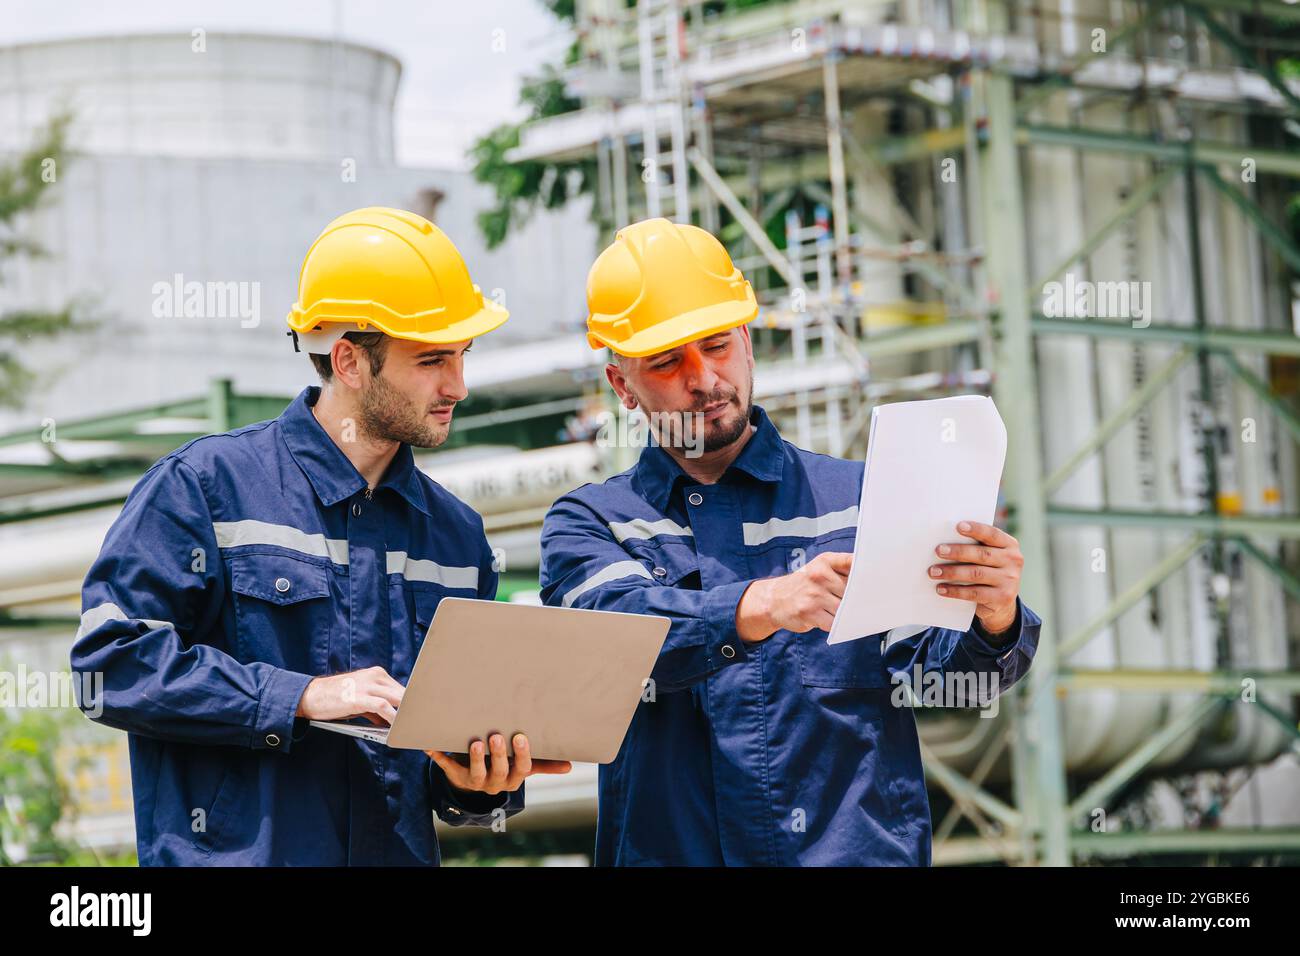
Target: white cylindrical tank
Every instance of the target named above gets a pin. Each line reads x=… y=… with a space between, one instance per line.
x=199 y=171
x=205 y=95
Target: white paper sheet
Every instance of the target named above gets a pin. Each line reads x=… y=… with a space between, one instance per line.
x=929 y=465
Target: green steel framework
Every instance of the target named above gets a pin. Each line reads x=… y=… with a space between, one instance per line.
x=527 y=423
x=1043 y=826
x=1039 y=756
x=1045 y=820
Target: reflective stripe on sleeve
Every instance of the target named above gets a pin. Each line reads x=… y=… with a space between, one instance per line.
x=641 y=529
x=611 y=572
x=102 y=613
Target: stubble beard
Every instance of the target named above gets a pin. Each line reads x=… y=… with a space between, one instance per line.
x=385 y=414
x=717 y=435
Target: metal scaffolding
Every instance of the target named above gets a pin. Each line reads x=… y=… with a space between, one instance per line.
x=724 y=115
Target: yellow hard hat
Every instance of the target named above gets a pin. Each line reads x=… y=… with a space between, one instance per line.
x=660 y=285
x=392 y=270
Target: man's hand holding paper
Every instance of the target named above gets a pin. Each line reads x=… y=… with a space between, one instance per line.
x=933 y=467
x=987 y=573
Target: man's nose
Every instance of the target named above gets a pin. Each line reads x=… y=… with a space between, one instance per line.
x=699 y=373
x=453 y=386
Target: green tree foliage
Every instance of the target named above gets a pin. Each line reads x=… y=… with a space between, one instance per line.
x=33 y=797
x=25 y=182
x=521 y=187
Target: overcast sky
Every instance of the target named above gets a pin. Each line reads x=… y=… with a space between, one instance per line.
x=454 y=84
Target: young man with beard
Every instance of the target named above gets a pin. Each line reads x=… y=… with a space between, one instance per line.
x=757 y=743
x=288 y=571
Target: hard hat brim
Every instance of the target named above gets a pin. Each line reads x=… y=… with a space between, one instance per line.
x=681 y=329
x=489 y=317
x=480 y=323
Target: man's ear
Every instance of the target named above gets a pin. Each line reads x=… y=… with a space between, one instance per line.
x=345 y=357
x=618 y=381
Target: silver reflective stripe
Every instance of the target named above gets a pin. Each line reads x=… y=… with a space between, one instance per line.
x=640 y=529
x=103 y=613
x=611 y=572
x=420 y=569
x=809 y=527
x=234 y=534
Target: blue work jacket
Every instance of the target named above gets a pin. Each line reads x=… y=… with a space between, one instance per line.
x=787 y=751
x=242 y=566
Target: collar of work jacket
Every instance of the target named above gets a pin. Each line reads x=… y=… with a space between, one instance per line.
x=333 y=477
x=762 y=458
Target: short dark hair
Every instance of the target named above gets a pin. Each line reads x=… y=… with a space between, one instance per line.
x=374 y=344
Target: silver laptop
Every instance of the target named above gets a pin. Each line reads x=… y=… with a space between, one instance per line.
x=569 y=679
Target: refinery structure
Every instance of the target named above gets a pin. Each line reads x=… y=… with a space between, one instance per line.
x=1075 y=206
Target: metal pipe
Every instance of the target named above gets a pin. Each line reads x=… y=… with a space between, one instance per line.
x=649 y=135
x=1132 y=594
x=1122 y=416
x=1095 y=796
x=835 y=150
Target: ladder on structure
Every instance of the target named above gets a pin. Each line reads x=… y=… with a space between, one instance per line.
x=661 y=53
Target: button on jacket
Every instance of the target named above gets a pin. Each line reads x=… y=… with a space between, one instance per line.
x=782 y=752
x=241 y=566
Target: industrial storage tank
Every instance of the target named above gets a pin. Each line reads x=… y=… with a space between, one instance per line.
x=206 y=95
x=220 y=167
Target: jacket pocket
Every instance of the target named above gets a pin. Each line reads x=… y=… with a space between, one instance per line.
x=851 y=664
x=223 y=804
x=196 y=790
x=283 y=611
x=888 y=779
x=903 y=751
